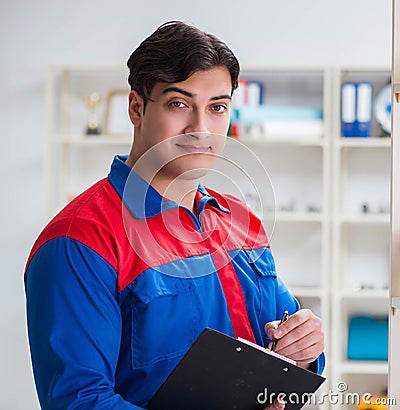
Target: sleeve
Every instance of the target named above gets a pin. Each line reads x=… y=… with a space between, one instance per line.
x=74 y=327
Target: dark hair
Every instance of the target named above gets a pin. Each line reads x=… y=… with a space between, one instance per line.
x=173 y=53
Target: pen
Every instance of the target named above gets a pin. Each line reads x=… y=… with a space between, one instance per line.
x=284 y=319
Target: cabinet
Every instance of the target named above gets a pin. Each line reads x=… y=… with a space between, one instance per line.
x=360 y=236
x=324 y=199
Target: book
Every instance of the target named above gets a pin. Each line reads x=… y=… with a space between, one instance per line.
x=220 y=372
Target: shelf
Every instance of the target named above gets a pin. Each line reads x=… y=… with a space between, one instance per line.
x=126 y=139
x=363 y=367
x=369 y=142
x=360 y=243
x=306 y=292
x=97 y=140
x=279 y=216
x=289 y=142
x=362 y=219
x=89 y=68
x=377 y=294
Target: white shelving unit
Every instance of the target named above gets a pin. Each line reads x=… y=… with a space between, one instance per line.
x=360 y=236
x=311 y=193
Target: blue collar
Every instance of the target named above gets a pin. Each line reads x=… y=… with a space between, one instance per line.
x=142 y=200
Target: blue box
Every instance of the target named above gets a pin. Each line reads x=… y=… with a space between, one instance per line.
x=368 y=338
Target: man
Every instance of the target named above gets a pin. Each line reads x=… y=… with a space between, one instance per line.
x=121 y=282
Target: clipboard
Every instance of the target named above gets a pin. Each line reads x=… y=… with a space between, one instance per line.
x=219 y=372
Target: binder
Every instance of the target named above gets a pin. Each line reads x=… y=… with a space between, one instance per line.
x=254 y=93
x=364 y=109
x=348 y=114
x=221 y=372
x=356 y=112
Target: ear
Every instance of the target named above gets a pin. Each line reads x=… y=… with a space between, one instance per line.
x=135 y=109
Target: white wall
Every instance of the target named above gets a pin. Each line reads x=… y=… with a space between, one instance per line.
x=35 y=34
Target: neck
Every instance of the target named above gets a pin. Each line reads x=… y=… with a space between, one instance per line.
x=183 y=192
x=175 y=188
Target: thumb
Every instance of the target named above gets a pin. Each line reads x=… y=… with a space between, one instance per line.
x=270 y=327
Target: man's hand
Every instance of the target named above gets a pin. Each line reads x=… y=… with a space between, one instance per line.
x=300 y=338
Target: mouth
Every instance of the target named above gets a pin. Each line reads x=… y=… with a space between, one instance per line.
x=195 y=149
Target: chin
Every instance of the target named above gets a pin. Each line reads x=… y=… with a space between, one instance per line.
x=194 y=174
x=191 y=167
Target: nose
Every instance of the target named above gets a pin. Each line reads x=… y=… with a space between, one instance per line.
x=197 y=123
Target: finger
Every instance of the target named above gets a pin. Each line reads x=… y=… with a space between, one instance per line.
x=306 y=355
x=303 y=334
x=304 y=338
x=306 y=349
x=299 y=327
x=297 y=319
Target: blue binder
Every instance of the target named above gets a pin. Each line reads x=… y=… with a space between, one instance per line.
x=364 y=109
x=348 y=109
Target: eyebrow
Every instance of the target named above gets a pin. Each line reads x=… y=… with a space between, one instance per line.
x=191 y=95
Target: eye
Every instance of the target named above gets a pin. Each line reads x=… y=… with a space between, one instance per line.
x=177 y=104
x=219 y=108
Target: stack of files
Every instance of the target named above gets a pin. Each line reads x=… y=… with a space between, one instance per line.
x=281 y=122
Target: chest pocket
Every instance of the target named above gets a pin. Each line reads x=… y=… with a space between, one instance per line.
x=164 y=318
x=262 y=262
x=263 y=265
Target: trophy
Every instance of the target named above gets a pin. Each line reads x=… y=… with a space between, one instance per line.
x=92 y=102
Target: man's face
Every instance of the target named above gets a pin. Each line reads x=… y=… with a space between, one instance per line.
x=190 y=119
